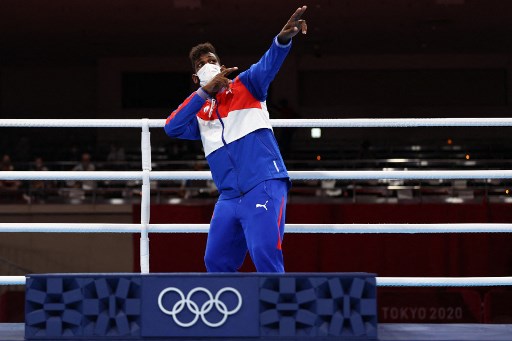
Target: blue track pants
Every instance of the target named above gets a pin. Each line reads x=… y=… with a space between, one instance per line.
x=253 y=222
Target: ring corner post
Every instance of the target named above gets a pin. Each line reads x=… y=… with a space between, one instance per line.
x=146 y=197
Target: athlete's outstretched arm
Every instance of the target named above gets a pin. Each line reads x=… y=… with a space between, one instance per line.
x=257 y=79
x=182 y=122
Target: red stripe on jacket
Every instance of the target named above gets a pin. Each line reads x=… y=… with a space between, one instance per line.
x=226 y=102
x=175 y=112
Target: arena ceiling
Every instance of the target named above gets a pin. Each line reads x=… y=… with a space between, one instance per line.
x=32 y=30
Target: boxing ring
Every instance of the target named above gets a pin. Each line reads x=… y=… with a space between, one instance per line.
x=385 y=332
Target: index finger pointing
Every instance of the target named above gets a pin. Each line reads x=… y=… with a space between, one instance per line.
x=227 y=71
x=298 y=13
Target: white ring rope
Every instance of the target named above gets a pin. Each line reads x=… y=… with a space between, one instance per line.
x=381 y=281
x=79 y=123
x=392 y=122
x=294 y=175
x=290 y=228
x=443 y=281
x=302 y=123
x=12 y=280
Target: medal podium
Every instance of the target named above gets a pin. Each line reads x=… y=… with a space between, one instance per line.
x=341 y=306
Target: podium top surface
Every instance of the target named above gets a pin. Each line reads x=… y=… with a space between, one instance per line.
x=203 y=274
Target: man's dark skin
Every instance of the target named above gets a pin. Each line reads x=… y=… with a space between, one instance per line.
x=290 y=30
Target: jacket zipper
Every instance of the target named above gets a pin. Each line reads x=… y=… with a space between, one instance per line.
x=226 y=146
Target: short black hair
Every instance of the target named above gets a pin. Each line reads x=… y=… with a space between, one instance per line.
x=197 y=51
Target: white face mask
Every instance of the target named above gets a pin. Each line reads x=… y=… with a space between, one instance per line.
x=207 y=72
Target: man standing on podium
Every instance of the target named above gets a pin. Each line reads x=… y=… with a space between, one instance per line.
x=231 y=119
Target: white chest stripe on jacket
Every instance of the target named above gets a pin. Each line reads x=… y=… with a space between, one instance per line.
x=236 y=125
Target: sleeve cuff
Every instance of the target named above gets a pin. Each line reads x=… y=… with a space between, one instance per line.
x=203 y=94
x=281 y=45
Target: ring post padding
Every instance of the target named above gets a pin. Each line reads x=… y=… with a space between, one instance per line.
x=146 y=196
x=146 y=145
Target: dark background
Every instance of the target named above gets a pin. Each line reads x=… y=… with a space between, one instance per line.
x=128 y=59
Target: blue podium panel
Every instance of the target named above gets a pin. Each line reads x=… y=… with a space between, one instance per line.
x=139 y=307
x=71 y=306
x=341 y=305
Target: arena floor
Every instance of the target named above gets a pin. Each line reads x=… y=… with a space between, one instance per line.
x=387 y=332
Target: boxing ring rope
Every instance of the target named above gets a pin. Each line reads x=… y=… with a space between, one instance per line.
x=290 y=228
x=146 y=175
x=294 y=175
x=299 y=123
x=381 y=281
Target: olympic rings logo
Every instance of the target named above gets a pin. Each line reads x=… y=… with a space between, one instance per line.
x=205 y=308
